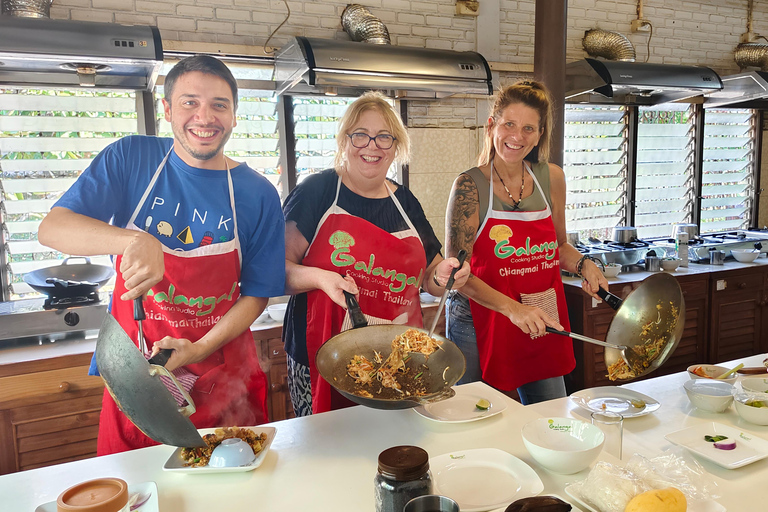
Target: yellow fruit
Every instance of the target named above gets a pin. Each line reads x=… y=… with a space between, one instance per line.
x=658 y=500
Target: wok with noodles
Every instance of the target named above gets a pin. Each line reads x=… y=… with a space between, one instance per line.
x=390 y=366
x=196 y=457
x=650 y=323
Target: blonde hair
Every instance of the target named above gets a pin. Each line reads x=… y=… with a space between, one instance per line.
x=376 y=101
x=531 y=94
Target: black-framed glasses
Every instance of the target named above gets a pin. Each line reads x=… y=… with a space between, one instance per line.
x=361 y=140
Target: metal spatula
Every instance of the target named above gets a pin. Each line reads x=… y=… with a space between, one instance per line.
x=448 y=285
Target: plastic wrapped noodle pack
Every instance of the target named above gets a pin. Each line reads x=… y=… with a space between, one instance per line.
x=609 y=488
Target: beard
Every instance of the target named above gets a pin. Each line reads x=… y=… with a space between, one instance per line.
x=207 y=153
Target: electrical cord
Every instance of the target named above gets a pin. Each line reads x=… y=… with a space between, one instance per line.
x=266 y=50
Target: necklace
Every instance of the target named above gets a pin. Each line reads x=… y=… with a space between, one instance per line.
x=522 y=187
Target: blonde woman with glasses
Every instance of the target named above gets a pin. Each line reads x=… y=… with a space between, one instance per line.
x=351 y=229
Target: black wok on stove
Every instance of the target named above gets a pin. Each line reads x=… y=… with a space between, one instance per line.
x=68 y=279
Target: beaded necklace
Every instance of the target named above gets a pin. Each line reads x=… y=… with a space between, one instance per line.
x=516 y=204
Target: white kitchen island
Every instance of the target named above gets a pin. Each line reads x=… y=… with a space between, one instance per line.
x=327 y=462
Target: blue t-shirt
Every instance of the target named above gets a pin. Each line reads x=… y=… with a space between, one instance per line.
x=187 y=207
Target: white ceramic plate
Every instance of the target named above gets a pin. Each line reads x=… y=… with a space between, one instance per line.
x=151 y=505
x=176 y=463
x=749 y=447
x=614 y=399
x=483 y=479
x=461 y=407
x=574 y=492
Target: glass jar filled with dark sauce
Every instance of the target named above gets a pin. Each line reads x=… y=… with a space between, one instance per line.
x=403 y=475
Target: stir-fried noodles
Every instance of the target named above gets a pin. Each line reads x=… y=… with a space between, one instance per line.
x=196 y=457
x=386 y=371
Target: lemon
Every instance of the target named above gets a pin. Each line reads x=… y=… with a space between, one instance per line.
x=483 y=404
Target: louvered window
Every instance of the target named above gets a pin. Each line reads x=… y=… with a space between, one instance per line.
x=728 y=170
x=665 y=168
x=595 y=166
x=46 y=139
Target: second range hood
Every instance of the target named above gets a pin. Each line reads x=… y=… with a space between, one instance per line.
x=323 y=66
x=41 y=52
x=635 y=83
x=744 y=90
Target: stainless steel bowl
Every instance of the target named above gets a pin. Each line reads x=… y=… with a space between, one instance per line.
x=625 y=257
x=624 y=234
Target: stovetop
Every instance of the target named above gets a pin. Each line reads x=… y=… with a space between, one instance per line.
x=698 y=247
x=45 y=318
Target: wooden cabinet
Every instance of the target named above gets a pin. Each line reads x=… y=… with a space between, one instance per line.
x=49 y=412
x=272 y=358
x=593 y=319
x=739 y=320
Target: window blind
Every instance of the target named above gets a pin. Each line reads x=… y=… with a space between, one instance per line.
x=728 y=170
x=595 y=166
x=47 y=138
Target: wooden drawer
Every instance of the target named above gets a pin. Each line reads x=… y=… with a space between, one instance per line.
x=276 y=349
x=59 y=381
x=738 y=283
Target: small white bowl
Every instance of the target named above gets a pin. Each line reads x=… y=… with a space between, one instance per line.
x=428 y=298
x=755 y=384
x=563 y=445
x=745 y=255
x=232 y=453
x=712 y=371
x=750 y=413
x=612 y=270
x=277 y=311
x=709 y=395
x=670 y=264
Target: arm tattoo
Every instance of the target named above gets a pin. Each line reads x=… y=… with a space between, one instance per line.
x=463 y=212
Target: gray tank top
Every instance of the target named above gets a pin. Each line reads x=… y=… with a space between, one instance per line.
x=532 y=203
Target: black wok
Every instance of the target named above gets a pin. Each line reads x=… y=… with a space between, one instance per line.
x=444 y=367
x=69 y=280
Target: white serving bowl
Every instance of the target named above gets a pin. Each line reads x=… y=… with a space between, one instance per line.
x=755 y=384
x=262 y=317
x=232 y=453
x=277 y=311
x=712 y=370
x=563 y=445
x=745 y=255
x=709 y=395
x=670 y=264
x=612 y=270
x=750 y=413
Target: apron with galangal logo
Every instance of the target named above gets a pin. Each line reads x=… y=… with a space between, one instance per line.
x=516 y=253
x=199 y=286
x=387 y=267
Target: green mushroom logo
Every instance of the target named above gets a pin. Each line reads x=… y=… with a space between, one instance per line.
x=341 y=239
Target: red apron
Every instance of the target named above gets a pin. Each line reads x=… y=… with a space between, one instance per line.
x=387 y=267
x=517 y=254
x=199 y=286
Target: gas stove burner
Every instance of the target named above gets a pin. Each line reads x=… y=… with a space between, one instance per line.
x=729 y=236
x=636 y=244
x=53 y=302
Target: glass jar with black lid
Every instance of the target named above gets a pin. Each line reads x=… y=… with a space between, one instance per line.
x=403 y=474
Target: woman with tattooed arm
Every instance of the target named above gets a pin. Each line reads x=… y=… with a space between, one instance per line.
x=508 y=213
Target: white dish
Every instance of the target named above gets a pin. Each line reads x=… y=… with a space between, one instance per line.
x=749 y=447
x=615 y=399
x=151 y=505
x=461 y=407
x=176 y=464
x=483 y=479
x=573 y=490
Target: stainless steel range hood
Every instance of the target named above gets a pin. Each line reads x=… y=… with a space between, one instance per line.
x=744 y=90
x=42 y=52
x=635 y=83
x=322 y=66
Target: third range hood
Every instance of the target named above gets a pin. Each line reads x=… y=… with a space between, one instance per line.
x=635 y=83
x=42 y=52
x=743 y=90
x=323 y=66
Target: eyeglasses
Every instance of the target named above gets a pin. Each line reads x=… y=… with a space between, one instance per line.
x=361 y=140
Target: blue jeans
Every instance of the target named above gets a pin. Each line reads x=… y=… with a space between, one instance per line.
x=460 y=329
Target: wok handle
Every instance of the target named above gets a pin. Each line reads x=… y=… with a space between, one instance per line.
x=355 y=313
x=162 y=357
x=138 y=309
x=461 y=257
x=609 y=298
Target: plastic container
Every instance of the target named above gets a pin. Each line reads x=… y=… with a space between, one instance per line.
x=681 y=245
x=100 y=495
x=403 y=475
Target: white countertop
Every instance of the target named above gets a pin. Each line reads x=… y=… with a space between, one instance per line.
x=327 y=462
